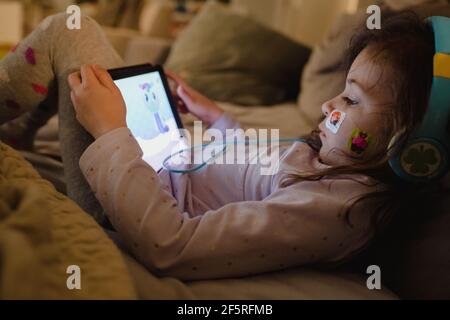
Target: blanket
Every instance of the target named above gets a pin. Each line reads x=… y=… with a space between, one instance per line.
x=43 y=234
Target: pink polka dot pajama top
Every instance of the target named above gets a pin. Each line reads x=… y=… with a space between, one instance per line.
x=227 y=220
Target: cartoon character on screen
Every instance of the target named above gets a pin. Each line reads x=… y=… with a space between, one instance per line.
x=153 y=104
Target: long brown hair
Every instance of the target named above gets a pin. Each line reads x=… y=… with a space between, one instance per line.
x=404 y=43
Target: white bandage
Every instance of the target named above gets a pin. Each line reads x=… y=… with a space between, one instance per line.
x=335 y=120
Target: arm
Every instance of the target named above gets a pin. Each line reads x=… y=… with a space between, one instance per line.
x=285 y=229
x=224 y=122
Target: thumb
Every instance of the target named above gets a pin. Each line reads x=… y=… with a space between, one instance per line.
x=180 y=82
x=104 y=77
x=88 y=77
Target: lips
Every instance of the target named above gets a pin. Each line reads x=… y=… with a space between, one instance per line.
x=322 y=133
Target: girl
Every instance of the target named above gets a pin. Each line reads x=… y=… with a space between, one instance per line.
x=322 y=207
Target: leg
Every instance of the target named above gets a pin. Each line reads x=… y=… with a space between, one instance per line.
x=43 y=61
x=20 y=132
x=27 y=91
x=88 y=45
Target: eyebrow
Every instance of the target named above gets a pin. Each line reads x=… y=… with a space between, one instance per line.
x=353 y=81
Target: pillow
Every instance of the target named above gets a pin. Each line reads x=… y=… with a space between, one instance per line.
x=234 y=59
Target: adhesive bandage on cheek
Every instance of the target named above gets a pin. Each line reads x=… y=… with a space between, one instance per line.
x=335 y=120
x=359 y=141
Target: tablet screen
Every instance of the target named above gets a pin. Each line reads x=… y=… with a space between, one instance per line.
x=150 y=117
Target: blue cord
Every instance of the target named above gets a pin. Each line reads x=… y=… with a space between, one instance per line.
x=164 y=164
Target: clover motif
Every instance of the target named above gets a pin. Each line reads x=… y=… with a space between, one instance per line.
x=421 y=159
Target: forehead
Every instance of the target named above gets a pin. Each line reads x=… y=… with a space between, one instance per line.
x=374 y=76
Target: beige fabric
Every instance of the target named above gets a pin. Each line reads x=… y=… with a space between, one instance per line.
x=403 y=4
x=134 y=48
x=156 y=18
x=293 y=284
x=42 y=233
x=286 y=117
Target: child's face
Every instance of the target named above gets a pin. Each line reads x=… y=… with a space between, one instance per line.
x=356 y=120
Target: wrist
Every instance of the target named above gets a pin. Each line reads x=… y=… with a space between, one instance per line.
x=214 y=116
x=99 y=133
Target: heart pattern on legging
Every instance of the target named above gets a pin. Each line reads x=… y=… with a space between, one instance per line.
x=29 y=55
x=39 y=89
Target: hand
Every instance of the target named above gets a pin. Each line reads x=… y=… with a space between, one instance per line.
x=190 y=100
x=98 y=103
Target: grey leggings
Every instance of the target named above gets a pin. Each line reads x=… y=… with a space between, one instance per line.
x=33 y=81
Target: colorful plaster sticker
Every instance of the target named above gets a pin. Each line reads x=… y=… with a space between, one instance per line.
x=335 y=121
x=359 y=141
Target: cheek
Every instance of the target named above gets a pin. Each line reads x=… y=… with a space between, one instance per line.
x=355 y=137
x=359 y=141
x=339 y=140
x=343 y=134
x=350 y=139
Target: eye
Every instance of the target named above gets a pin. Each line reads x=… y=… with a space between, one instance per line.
x=349 y=101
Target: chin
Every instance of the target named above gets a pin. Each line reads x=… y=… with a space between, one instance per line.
x=314 y=140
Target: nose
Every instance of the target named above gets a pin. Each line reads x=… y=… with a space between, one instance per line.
x=327 y=108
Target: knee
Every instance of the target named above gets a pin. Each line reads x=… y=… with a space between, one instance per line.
x=62 y=21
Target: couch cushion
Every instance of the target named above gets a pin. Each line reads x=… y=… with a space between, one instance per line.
x=234 y=59
x=292 y=284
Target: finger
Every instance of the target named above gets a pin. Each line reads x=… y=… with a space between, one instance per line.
x=173 y=76
x=182 y=107
x=184 y=96
x=74 y=80
x=180 y=82
x=173 y=89
x=104 y=77
x=88 y=77
x=73 y=97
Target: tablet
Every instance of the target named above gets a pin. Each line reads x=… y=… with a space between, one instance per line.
x=152 y=115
